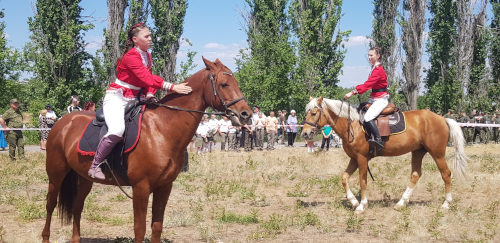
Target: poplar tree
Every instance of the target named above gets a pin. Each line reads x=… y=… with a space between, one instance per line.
x=384 y=35
x=412 y=39
x=320 y=48
x=443 y=92
x=168 y=16
x=113 y=44
x=265 y=68
x=494 y=54
x=3 y=58
x=59 y=55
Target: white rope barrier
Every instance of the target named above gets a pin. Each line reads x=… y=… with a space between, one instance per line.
x=48 y=129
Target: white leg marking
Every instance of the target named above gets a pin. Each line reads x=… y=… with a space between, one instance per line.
x=447 y=201
x=352 y=198
x=362 y=206
x=405 y=198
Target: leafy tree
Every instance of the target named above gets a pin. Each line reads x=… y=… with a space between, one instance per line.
x=412 y=37
x=58 y=50
x=187 y=66
x=443 y=92
x=320 y=47
x=384 y=35
x=494 y=55
x=115 y=37
x=168 y=16
x=265 y=69
x=478 y=96
x=3 y=64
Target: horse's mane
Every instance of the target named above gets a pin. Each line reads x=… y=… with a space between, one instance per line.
x=338 y=107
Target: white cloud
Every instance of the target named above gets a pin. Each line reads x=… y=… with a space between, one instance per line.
x=359 y=40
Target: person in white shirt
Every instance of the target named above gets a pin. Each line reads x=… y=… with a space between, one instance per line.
x=255 y=116
x=271 y=130
x=201 y=135
x=213 y=126
x=51 y=116
x=260 y=130
x=233 y=138
x=224 y=125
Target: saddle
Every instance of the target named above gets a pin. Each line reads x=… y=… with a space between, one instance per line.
x=391 y=120
x=97 y=128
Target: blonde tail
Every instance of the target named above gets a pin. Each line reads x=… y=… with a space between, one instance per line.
x=457 y=138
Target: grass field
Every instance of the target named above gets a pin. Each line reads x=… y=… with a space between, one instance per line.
x=285 y=195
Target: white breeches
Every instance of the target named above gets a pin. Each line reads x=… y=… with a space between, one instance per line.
x=114 y=112
x=378 y=104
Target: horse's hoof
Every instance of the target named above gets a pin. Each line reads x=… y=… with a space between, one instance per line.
x=359 y=211
x=355 y=204
x=398 y=207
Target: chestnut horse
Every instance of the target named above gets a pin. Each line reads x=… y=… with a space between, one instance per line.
x=156 y=160
x=426 y=132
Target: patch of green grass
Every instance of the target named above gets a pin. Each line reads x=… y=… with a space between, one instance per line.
x=305 y=219
x=229 y=217
x=433 y=225
x=120 y=197
x=275 y=225
x=489 y=164
x=354 y=222
x=28 y=210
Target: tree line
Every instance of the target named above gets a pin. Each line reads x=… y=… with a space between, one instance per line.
x=295 y=50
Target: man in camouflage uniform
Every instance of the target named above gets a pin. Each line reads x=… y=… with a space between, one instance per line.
x=495 y=119
x=470 y=130
x=12 y=118
x=485 y=131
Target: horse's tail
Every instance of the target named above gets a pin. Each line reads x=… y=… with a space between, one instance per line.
x=457 y=138
x=67 y=197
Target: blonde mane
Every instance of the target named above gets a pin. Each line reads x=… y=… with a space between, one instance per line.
x=338 y=107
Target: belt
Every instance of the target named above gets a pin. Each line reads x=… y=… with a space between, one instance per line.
x=126 y=85
x=379 y=90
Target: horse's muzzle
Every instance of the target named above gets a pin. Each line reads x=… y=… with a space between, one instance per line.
x=308 y=135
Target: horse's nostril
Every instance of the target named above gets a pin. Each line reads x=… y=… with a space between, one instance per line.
x=244 y=115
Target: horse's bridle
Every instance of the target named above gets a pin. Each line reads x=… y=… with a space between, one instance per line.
x=315 y=125
x=226 y=111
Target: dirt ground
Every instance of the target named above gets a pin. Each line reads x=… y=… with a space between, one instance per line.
x=285 y=195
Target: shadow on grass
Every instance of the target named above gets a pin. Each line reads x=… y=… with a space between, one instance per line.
x=117 y=240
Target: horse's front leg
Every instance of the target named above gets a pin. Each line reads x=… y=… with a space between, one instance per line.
x=353 y=166
x=363 y=169
x=140 y=200
x=160 y=198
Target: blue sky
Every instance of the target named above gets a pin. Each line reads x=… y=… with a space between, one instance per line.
x=215 y=29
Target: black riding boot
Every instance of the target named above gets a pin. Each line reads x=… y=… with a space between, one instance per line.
x=377 y=140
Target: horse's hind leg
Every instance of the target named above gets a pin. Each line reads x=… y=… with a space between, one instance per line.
x=416 y=173
x=84 y=187
x=363 y=171
x=353 y=166
x=56 y=171
x=160 y=198
x=439 y=157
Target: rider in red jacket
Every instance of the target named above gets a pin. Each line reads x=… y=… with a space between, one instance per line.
x=379 y=96
x=133 y=73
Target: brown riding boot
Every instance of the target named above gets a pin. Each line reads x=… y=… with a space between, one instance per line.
x=105 y=147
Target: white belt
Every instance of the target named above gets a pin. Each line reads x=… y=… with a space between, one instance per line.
x=126 y=85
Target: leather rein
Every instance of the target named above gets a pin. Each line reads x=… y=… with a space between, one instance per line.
x=226 y=112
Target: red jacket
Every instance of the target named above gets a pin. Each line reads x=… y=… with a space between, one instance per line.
x=132 y=71
x=377 y=80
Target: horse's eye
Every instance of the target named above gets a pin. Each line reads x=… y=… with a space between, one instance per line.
x=224 y=85
x=313 y=113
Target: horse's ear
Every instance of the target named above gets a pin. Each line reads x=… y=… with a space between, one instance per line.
x=210 y=65
x=218 y=62
x=320 y=100
x=310 y=98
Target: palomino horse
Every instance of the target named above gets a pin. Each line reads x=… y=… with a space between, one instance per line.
x=426 y=132
x=156 y=160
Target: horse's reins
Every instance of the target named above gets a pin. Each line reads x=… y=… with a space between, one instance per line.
x=226 y=112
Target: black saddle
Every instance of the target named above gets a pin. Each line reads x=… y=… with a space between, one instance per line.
x=97 y=128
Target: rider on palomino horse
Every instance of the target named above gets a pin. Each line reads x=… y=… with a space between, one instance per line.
x=379 y=97
x=133 y=73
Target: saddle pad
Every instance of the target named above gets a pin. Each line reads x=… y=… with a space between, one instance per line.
x=93 y=132
x=397 y=123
